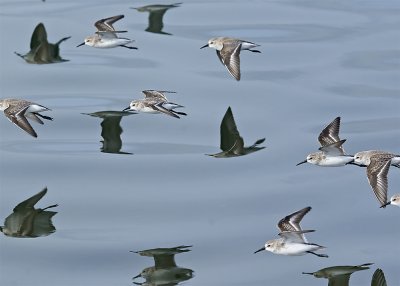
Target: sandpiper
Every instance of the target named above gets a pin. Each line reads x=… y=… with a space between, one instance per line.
x=228 y=50
x=106 y=36
x=331 y=152
x=293 y=240
x=155 y=101
x=18 y=110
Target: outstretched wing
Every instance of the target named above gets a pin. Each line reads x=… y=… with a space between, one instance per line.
x=377 y=171
x=229 y=56
x=330 y=134
x=20 y=120
x=106 y=24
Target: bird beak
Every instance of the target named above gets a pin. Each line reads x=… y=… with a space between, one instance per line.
x=137 y=276
x=302 y=162
x=80 y=44
x=205 y=46
x=126 y=109
x=261 y=249
x=384 y=206
x=307 y=273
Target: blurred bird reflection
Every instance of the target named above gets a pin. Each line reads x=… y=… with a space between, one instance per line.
x=156 y=14
x=165 y=271
x=111 y=130
x=378 y=279
x=26 y=221
x=338 y=275
x=42 y=52
x=232 y=144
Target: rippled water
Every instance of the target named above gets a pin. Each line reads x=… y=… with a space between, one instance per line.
x=319 y=60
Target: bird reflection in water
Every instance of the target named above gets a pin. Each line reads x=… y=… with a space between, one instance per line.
x=26 y=221
x=42 y=52
x=232 y=144
x=165 y=271
x=111 y=130
x=156 y=14
x=338 y=275
x=378 y=279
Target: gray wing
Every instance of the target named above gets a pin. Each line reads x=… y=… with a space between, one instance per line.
x=333 y=149
x=229 y=56
x=229 y=132
x=156 y=94
x=295 y=236
x=292 y=222
x=31 y=202
x=377 y=171
x=20 y=120
x=106 y=24
x=330 y=134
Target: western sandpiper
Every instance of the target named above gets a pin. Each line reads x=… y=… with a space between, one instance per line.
x=26 y=221
x=232 y=144
x=331 y=152
x=394 y=200
x=42 y=52
x=155 y=101
x=338 y=275
x=363 y=158
x=377 y=163
x=165 y=271
x=156 y=15
x=18 y=110
x=293 y=240
x=106 y=36
x=228 y=50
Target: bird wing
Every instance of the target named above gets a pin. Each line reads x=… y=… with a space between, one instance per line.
x=377 y=171
x=20 y=120
x=229 y=56
x=330 y=134
x=156 y=94
x=292 y=222
x=333 y=149
x=295 y=236
x=105 y=25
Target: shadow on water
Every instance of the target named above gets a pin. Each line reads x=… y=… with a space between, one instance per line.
x=156 y=15
x=232 y=144
x=165 y=271
x=26 y=221
x=111 y=130
x=43 y=52
x=340 y=275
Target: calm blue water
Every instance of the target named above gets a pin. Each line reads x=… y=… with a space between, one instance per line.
x=319 y=60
